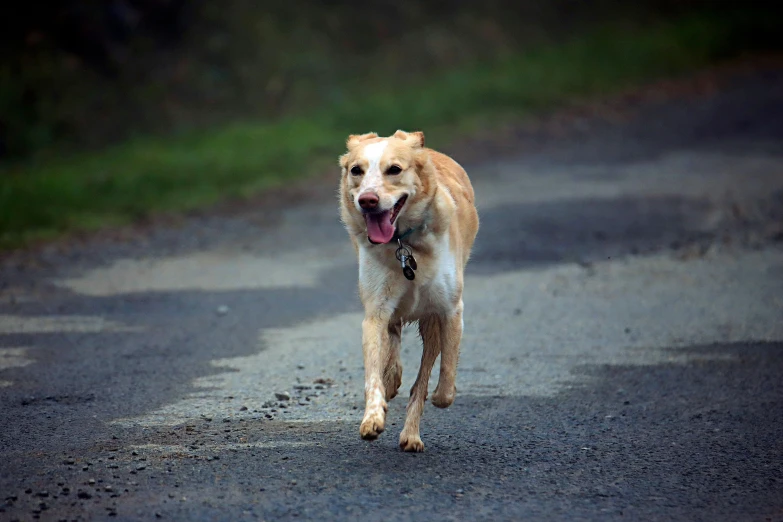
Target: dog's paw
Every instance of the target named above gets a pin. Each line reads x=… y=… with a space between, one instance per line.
x=411 y=443
x=443 y=399
x=372 y=426
x=392 y=381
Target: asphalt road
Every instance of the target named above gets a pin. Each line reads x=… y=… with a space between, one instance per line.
x=621 y=361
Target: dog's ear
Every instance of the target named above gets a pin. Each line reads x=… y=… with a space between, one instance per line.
x=343 y=161
x=415 y=139
x=400 y=135
x=354 y=139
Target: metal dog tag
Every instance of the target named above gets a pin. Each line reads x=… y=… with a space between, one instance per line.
x=407 y=266
x=407 y=261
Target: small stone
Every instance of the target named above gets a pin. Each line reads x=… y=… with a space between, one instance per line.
x=283 y=396
x=300 y=366
x=134 y=453
x=222 y=310
x=69 y=462
x=293 y=482
x=243 y=408
x=43 y=493
x=108 y=489
x=158 y=515
x=322 y=380
x=141 y=468
x=91 y=482
x=226 y=419
x=84 y=495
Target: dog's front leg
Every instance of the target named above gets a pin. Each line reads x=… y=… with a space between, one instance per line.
x=392 y=374
x=430 y=329
x=375 y=345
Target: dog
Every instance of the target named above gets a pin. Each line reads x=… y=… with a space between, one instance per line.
x=412 y=219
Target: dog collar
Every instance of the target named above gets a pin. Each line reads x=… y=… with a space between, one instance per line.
x=397 y=236
x=403 y=253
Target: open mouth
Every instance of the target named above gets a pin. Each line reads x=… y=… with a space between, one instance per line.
x=380 y=225
x=396 y=208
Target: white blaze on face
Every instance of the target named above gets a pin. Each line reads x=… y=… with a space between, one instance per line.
x=373 y=178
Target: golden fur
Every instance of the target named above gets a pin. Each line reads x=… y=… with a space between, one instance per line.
x=441 y=211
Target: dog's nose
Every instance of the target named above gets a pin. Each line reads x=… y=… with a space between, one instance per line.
x=368 y=200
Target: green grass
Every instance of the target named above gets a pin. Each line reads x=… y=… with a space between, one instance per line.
x=152 y=175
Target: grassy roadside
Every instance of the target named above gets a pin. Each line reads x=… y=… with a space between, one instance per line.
x=147 y=176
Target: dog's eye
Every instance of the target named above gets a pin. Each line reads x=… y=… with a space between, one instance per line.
x=356 y=170
x=394 y=169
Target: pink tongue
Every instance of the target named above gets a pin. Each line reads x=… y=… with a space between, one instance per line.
x=379 y=229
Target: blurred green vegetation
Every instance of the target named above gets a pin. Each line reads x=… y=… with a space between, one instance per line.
x=178 y=140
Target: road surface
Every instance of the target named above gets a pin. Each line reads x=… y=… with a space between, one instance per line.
x=621 y=360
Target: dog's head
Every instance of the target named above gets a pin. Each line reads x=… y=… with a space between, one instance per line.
x=385 y=183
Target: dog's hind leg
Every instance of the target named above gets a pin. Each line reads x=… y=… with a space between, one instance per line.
x=444 y=393
x=392 y=374
x=431 y=331
x=375 y=345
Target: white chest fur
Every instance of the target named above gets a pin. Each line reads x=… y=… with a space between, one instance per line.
x=385 y=289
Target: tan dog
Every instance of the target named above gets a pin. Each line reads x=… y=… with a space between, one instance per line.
x=397 y=194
